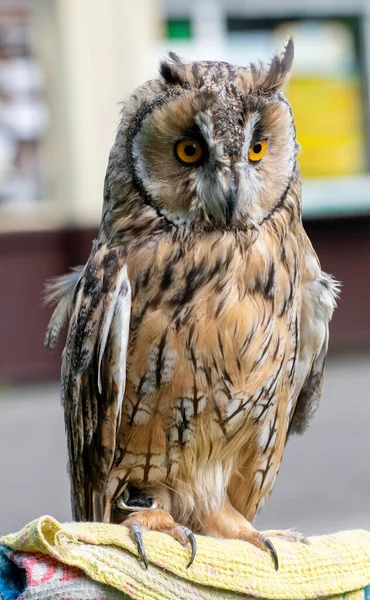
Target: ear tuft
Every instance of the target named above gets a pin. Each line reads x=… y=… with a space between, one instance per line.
x=168 y=68
x=175 y=58
x=165 y=69
x=274 y=76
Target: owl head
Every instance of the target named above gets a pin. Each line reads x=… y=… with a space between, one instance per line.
x=206 y=143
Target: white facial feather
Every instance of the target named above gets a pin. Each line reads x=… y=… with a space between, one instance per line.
x=215 y=147
x=249 y=183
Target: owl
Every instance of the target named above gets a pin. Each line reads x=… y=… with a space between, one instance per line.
x=198 y=328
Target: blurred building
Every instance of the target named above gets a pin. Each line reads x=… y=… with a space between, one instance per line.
x=64 y=68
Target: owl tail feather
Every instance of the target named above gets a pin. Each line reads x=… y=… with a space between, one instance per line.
x=60 y=291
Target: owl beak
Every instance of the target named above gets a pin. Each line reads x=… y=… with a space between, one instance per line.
x=230 y=200
x=217 y=195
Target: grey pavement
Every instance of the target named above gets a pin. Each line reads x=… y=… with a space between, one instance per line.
x=323 y=485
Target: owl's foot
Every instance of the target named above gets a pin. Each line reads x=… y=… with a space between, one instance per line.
x=289 y=535
x=230 y=524
x=159 y=520
x=262 y=539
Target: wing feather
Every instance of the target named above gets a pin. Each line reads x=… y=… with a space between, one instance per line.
x=94 y=374
x=319 y=301
x=60 y=292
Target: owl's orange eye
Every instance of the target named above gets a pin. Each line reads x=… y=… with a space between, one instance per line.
x=257 y=150
x=189 y=151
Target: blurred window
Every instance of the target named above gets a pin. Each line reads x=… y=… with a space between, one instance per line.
x=179 y=29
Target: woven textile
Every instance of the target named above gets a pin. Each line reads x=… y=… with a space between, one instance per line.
x=35 y=576
x=331 y=566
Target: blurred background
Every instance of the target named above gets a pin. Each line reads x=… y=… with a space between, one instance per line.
x=64 y=68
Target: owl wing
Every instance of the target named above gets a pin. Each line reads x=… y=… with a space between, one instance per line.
x=94 y=373
x=318 y=302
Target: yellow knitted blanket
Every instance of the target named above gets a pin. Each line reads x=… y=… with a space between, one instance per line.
x=331 y=566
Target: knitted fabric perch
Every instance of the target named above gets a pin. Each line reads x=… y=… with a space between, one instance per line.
x=331 y=566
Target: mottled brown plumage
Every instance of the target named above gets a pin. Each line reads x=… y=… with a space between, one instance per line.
x=198 y=328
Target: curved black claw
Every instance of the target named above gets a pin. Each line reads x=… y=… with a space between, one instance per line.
x=138 y=534
x=305 y=541
x=270 y=546
x=193 y=543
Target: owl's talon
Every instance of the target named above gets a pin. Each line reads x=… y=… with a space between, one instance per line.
x=193 y=544
x=300 y=538
x=271 y=548
x=185 y=536
x=159 y=520
x=138 y=535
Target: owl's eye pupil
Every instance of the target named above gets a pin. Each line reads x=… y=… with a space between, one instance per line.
x=257 y=151
x=190 y=149
x=189 y=152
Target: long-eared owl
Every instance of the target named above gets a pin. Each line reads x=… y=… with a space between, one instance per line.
x=198 y=328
